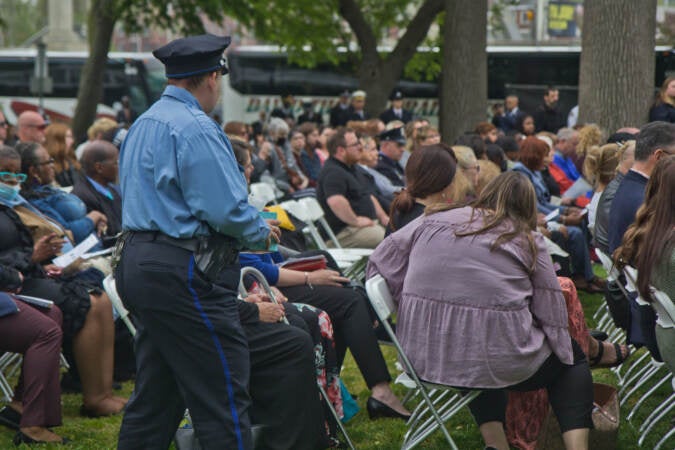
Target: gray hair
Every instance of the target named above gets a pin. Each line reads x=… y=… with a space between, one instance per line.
x=277 y=127
x=565 y=134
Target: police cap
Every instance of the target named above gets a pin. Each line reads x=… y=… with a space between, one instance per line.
x=396 y=95
x=394 y=135
x=193 y=55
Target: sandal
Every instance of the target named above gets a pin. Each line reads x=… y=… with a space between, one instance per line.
x=588 y=286
x=620 y=357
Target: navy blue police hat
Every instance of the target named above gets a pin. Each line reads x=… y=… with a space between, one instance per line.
x=193 y=55
x=394 y=135
x=396 y=95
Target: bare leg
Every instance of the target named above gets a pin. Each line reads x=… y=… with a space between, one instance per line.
x=382 y=392
x=576 y=439
x=494 y=436
x=94 y=357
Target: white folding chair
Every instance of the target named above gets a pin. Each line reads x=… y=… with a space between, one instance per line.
x=429 y=415
x=261 y=194
x=9 y=364
x=111 y=290
x=262 y=281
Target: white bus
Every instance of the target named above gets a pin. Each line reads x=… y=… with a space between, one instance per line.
x=138 y=75
x=259 y=75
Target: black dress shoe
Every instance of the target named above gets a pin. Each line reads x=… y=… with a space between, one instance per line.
x=10 y=418
x=20 y=438
x=378 y=409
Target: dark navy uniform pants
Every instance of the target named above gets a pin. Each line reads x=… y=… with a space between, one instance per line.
x=190 y=348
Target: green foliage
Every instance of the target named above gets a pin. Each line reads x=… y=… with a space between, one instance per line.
x=19 y=20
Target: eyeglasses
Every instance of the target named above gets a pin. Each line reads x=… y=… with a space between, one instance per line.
x=355 y=144
x=11 y=176
x=39 y=127
x=49 y=161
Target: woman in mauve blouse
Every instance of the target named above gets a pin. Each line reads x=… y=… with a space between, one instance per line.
x=479 y=306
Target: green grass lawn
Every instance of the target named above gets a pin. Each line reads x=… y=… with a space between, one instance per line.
x=382 y=434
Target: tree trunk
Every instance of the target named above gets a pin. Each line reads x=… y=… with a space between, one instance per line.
x=378 y=76
x=616 y=73
x=101 y=23
x=464 y=72
x=377 y=79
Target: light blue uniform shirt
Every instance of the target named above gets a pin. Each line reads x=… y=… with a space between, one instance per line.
x=179 y=175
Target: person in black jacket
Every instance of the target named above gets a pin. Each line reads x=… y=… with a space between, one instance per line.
x=396 y=111
x=548 y=116
x=664 y=108
x=97 y=189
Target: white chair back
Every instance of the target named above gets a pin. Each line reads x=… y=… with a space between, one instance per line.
x=608 y=265
x=665 y=309
x=380 y=297
x=261 y=194
x=111 y=290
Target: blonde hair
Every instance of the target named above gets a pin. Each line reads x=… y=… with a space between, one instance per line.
x=463 y=188
x=99 y=127
x=465 y=156
x=589 y=135
x=601 y=163
x=488 y=172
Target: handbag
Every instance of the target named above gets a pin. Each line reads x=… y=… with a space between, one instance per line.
x=606 y=420
x=306 y=264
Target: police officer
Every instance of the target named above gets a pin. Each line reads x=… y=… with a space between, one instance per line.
x=185 y=215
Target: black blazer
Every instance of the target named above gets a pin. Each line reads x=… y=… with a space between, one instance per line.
x=95 y=201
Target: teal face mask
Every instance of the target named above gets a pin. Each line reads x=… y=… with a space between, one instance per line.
x=9 y=192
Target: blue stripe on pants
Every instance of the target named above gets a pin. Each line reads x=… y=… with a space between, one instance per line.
x=221 y=353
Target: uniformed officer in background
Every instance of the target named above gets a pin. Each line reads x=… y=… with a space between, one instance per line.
x=185 y=216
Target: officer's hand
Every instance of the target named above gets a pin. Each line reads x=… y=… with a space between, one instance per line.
x=270 y=312
x=275 y=234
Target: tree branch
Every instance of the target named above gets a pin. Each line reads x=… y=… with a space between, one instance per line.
x=352 y=13
x=417 y=30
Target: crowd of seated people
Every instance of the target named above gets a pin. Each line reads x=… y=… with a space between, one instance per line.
x=372 y=180
x=29 y=242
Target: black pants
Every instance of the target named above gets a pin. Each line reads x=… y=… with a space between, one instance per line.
x=570 y=392
x=283 y=387
x=352 y=326
x=191 y=350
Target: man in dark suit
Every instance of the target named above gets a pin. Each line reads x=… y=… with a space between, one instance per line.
x=97 y=189
x=396 y=111
x=339 y=114
x=512 y=114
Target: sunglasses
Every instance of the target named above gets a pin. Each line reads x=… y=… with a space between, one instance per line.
x=39 y=127
x=11 y=176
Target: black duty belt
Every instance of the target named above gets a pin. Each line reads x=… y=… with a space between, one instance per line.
x=191 y=244
x=212 y=253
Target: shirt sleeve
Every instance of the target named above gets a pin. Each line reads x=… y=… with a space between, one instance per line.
x=206 y=163
x=268 y=269
x=548 y=304
x=390 y=259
